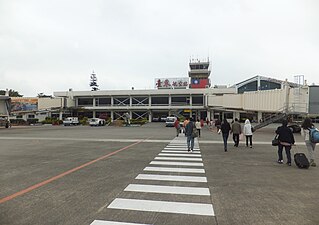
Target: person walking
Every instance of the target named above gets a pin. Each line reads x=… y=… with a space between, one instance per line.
x=225 y=129
x=236 y=130
x=186 y=121
x=217 y=125
x=189 y=135
x=198 y=126
x=177 y=127
x=286 y=140
x=306 y=125
x=248 y=133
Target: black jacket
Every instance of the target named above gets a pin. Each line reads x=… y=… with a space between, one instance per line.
x=225 y=127
x=285 y=135
x=189 y=128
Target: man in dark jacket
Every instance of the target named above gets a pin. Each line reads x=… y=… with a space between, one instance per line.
x=225 y=128
x=236 y=130
x=286 y=140
x=188 y=132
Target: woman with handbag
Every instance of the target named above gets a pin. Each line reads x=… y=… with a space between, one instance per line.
x=286 y=140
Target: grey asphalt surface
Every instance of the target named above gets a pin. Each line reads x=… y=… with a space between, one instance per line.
x=247 y=186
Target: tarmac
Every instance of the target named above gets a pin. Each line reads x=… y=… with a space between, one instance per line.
x=144 y=175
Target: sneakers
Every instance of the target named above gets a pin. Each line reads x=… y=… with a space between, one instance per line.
x=288 y=163
x=251 y=147
x=280 y=161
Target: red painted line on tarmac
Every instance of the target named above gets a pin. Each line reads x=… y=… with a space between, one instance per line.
x=10 y=197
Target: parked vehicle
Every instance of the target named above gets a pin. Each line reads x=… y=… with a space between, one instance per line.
x=163 y=118
x=295 y=128
x=4 y=121
x=71 y=121
x=97 y=122
x=170 y=120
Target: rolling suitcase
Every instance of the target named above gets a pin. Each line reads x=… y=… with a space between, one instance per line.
x=301 y=161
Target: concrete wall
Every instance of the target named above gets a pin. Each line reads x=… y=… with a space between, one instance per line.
x=267 y=101
x=313 y=99
x=3 y=108
x=227 y=101
x=48 y=103
x=299 y=99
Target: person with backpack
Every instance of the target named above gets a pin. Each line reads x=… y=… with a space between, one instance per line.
x=189 y=129
x=307 y=125
x=286 y=140
x=225 y=129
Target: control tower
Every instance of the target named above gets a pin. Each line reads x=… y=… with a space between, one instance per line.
x=199 y=73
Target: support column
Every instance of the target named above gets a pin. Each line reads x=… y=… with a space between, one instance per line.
x=236 y=115
x=211 y=112
x=259 y=117
x=94 y=114
x=208 y=115
x=61 y=115
x=150 y=116
x=112 y=116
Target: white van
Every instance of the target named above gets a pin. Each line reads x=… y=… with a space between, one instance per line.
x=97 y=122
x=170 y=120
x=71 y=121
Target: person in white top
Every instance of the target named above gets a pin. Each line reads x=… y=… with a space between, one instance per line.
x=248 y=133
x=306 y=125
x=198 y=127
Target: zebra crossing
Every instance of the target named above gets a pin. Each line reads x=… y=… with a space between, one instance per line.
x=174 y=172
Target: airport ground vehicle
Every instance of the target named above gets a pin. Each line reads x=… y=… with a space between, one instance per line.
x=71 y=121
x=4 y=122
x=295 y=128
x=97 y=122
x=170 y=120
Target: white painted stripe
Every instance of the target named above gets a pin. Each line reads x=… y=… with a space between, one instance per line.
x=178 y=170
x=166 y=148
x=181 y=151
x=179 y=146
x=102 y=222
x=187 y=155
x=178 y=159
x=176 y=163
x=171 y=178
x=176 y=146
x=168 y=189
x=163 y=206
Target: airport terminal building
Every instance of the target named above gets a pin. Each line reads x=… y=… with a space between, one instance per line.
x=193 y=96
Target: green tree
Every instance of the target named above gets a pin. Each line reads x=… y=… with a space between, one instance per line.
x=12 y=93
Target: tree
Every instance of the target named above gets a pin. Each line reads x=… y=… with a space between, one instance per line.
x=93 y=82
x=12 y=93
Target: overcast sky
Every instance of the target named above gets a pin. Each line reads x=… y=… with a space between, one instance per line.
x=48 y=46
